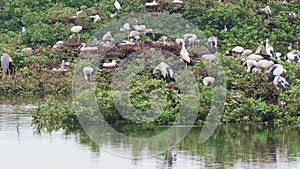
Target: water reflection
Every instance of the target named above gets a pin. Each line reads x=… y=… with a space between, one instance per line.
x=231 y=146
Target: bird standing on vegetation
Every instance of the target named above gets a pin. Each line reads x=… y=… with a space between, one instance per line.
x=76 y=30
x=117 y=5
x=108 y=37
x=250 y=65
x=267 y=10
x=96 y=18
x=212 y=44
x=275 y=70
x=208 y=80
x=184 y=55
x=110 y=65
x=166 y=72
x=237 y=50
x=84 y=48
x=260 y=49
x=281 y=83
x=23 y=31
x=269 y=49
x=87 y=72
x=6 y=64
x=247 y=52
x=190 y=39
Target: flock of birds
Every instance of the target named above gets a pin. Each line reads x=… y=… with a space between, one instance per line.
x=264 y=59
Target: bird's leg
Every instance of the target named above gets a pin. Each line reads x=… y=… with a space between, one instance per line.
x=78 y=38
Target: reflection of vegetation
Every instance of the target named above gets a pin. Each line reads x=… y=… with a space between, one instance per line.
x=228 y=144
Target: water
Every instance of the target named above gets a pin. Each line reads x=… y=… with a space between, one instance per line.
x=231 y=146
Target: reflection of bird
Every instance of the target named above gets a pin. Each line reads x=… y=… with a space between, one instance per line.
x=6 y=64
x=212 y=44
x=208 y=80
x=87 y=71
x=281 y=83
x=166 y=72
x=117 y=5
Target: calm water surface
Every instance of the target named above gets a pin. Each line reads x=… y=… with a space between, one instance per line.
x=230 y=147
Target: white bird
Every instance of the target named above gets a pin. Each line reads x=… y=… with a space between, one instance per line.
x=166 y=42
x=76 y=30
x=108 y=37
x=179 y=40
x=109 y=65
x=269 y=49
x=267 y=10
x=208 y=57
x=112 y=14
x=126 y=42
x=257 y=57
x=250 y=65
x=246 y=52
x=212 y=44
x=184 y=55
x=275 y=70
x=154 y=3
x=235 y=50
x=96 y=18
x=117 y=5
x=89 y=48
x=166 y=72
x=135 y=35
x=284 y=2
x=177 y=2
x=27 y=51
x=87 y=72
x=281 y=83
x=292 y=55
x=58 y=44
x=290 y=48
x=260 y=49
x=190 y=39
x=208 y=80
x=23 y=31
x=265 y=64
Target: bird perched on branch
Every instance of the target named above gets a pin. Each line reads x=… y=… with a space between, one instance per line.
x=166 y=72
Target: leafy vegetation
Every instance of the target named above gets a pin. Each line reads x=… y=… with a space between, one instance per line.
x=250 y=98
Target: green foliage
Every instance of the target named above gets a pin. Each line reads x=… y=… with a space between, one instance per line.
x=250 y=97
